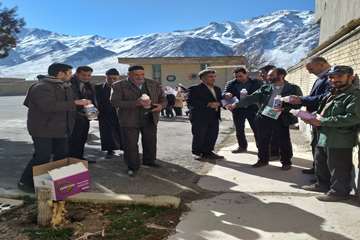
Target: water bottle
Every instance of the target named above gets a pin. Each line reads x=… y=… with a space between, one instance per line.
x=145 y=97
x=277 y=102
x=91 y=112
x=243 y=93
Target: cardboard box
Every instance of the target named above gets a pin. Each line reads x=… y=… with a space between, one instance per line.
x=64 y=177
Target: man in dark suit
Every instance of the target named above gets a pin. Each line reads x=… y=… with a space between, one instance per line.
x=242 y=83
x=109 y=127
x=138 y=102
x=204 y=103
x=273 y=116
x=82 y=89
x=319 y=67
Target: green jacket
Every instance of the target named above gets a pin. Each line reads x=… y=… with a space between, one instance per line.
x=341 y=119
x=263 y=95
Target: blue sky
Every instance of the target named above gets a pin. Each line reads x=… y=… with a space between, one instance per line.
x=121 y=18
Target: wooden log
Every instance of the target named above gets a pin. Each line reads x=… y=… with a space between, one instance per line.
x=44 y=206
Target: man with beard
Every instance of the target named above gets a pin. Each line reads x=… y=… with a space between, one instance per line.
x=337 y=122
x=273 y=116
x=319 y=67
x=82 y=89
x=51 y=117
x=109 y=127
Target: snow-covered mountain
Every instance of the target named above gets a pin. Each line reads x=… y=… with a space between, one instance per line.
x=281 y=38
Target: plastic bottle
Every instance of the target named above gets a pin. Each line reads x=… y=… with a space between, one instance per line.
x=91 y=112
x=243 y=93
x=145 y=97
x=277 y=102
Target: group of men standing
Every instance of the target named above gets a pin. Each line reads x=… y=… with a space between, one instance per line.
x=334 y=103
x=129 y=108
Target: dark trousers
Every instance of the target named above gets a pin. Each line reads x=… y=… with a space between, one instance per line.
x=314 y=141
x=274 y=145
x=205 y=133
x=178 y=111
x=79 y=137
x=45 y=149
x=239 y=117
x=131 y=148
x=333 y=169
x=169 y=111
x=266 y=128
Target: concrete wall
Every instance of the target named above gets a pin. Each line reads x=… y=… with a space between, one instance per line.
x=345 y=52
x=333 y=14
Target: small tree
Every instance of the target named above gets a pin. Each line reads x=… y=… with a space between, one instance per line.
x=10 y=25
x=255 y=61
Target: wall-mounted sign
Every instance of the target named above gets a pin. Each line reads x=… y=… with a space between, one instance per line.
x=171 y=78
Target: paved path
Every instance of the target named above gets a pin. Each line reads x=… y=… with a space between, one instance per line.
x=179 y=172
x=265 y=203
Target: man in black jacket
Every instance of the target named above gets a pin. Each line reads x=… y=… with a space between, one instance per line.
x=242 y=83
x=273 y=117
x=204 y=102
x=319 y=67
x=82 y=89
x=109 y=127
x=51 y=116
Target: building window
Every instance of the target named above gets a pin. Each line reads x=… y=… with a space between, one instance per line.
x=193 y=76
x=204 y=66
x=156 y=72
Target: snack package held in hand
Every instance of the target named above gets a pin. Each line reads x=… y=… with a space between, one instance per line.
x=145 y=97
x=303 y=115
x=91 y=112
x=230 y=101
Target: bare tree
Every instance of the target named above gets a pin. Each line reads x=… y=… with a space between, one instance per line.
x=10 y=25
x=255 y=61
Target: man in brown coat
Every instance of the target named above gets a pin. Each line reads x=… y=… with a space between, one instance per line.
x=51 y=118
x=138 y=102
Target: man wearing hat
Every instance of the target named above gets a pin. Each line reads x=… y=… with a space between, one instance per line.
x=337 y=122
x=109 y=127
x=204 y=102
x=138 y=102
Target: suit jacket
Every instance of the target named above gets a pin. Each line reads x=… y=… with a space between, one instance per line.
x=234 y=87
x=320 y=89
x=106 y=109
x=199 y=97
x=125 y=95
x=51 y=107
x=263 y=95
x=75 y=85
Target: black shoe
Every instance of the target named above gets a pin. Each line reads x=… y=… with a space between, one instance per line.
x=25 y=188
x=110 y=154
x=239 y=150
x=308 y=171
x=286 y=167
x=153 y=165
x=259 y=164
x=212 y=155
x=197 y=153
x=332 y=198
x=313 y=180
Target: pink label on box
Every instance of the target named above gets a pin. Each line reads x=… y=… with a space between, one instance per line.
x=71 y=185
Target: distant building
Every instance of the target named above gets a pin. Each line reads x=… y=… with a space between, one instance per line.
x=339 y=39
x=171 y=71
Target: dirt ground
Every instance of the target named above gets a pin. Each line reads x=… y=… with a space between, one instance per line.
x=90 y=221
